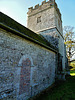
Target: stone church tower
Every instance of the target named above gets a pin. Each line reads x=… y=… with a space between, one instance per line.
x=45 y=19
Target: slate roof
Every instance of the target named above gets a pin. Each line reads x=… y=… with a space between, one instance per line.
x=11 y=25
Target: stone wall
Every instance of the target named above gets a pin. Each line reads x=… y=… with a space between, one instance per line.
x=58 y=22
x=49 y=25
x=56 y=39
x=26 y=68
x=51 y=36
x=46 y=17
x=48 y=14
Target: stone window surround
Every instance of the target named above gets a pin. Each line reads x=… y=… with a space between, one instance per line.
x=38 y=19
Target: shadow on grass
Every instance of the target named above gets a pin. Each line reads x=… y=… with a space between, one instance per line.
x=62 y=90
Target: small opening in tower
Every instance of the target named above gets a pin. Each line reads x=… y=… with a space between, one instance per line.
x=39 y=19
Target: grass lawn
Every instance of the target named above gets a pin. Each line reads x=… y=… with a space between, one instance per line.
x=72 y=71
x=72 y=64
x=63 y=90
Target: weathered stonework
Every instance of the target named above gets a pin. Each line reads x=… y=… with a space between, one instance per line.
x=51 y=36
x=21 y=64
x=50 y=26
x=47 y=19
x=30 y=62
x=25 y=76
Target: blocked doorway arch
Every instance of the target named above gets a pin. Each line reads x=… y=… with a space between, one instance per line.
x=25 y=63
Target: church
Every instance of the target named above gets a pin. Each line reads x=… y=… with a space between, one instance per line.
x=31 y=58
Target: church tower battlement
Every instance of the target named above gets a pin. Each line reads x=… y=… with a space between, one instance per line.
x=45 y=19
x=44 y=16
x=44 y=5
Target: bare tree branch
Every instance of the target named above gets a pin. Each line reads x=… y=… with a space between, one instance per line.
x=69 y=40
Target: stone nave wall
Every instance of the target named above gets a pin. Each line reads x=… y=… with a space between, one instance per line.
x=26 y=68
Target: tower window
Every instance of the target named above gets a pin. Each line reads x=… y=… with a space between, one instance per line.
x=39 y=19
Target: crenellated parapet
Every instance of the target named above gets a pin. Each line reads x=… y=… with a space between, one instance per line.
x=57 y=9
x=44 y=5
x=51 y=2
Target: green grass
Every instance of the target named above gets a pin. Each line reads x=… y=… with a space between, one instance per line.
x=72 y=71
x=72 y=64
x=63 y=90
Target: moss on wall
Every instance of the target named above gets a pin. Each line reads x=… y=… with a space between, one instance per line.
x=9 y=22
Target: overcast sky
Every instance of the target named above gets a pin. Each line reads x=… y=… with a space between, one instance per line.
x=17 y=9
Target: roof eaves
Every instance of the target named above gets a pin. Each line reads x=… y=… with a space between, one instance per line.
x=27 y=37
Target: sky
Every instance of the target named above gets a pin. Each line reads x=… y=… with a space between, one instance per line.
x=17 y=9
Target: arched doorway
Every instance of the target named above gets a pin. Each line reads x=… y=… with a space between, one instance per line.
x=25 y=64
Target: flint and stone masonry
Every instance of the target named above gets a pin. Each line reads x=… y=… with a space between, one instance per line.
x=45 y=19
x=30 y=62
x=26 y=68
